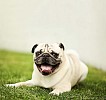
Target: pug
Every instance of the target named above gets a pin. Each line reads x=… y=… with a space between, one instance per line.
x=56 y=68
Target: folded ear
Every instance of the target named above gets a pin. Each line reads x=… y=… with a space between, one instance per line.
x=33 y=48
x=61 y=46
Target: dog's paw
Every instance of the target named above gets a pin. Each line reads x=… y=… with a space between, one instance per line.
x=55 y=92
x=10 y=85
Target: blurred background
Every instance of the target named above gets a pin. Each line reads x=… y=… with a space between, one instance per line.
x=78 y=24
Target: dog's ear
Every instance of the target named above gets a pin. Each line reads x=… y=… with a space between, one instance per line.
x=33 y=48
x=61 y=46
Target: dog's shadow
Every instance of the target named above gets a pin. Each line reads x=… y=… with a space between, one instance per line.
x=79 y=86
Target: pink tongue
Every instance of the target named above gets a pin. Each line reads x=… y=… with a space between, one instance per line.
x=46 y=68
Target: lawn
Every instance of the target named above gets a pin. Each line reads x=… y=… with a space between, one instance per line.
x=15 y=67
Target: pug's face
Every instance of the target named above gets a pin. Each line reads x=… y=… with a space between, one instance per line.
x=48 y=57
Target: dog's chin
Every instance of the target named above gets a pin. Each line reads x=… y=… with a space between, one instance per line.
x=46 y=69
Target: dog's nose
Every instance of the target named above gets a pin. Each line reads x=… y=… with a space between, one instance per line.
x=45 y=55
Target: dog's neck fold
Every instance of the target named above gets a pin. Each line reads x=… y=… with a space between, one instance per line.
x=46 y=48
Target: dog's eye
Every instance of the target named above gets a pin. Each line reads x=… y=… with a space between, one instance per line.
x=55 y=54
x=38 y=53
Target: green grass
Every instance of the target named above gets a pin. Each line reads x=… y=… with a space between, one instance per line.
x=15 y=67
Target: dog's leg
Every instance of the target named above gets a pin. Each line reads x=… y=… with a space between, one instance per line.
x=27 y=83
x=84 y=72
x=61 y=88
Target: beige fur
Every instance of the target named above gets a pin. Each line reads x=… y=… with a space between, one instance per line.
x=70 y=71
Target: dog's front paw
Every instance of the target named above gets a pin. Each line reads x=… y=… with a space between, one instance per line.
x=10 y=85
x=55 y=92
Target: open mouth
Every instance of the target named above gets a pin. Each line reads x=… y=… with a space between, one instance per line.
x=47 y=69
x=46 y=63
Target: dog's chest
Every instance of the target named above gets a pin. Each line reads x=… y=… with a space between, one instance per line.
x=50 y=81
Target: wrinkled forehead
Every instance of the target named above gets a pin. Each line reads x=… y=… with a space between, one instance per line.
x=48 y=47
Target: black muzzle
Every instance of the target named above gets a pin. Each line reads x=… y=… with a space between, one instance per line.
x=47 y=58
